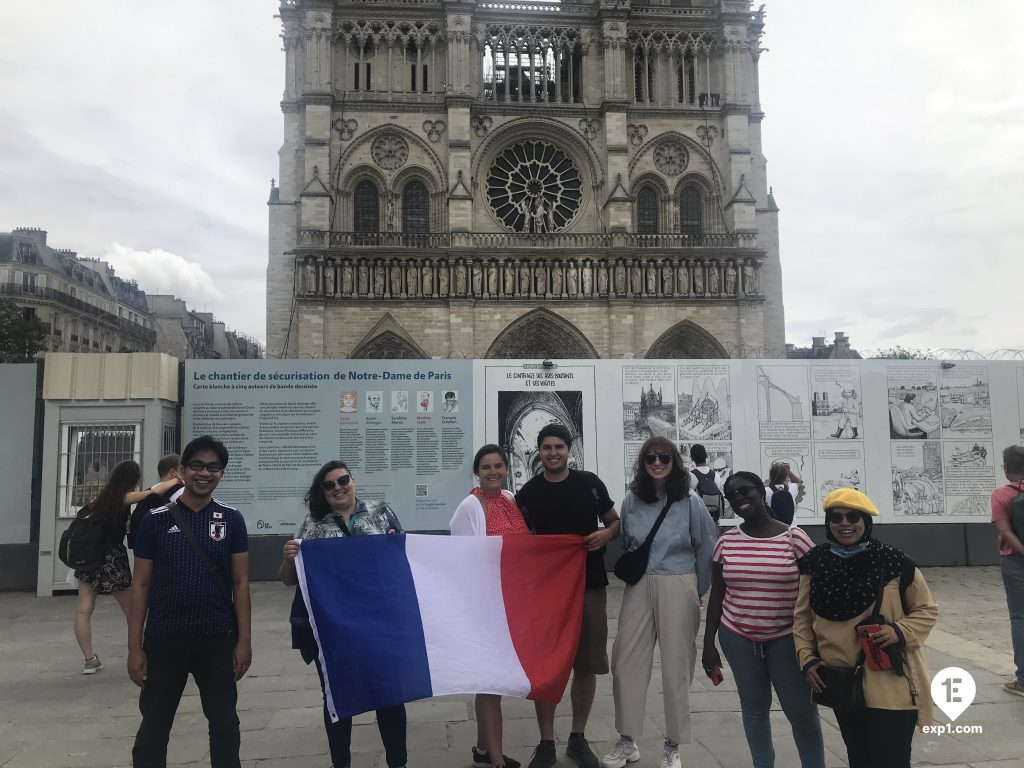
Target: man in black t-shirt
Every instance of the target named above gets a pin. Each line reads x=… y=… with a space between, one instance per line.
x=563 y=500
x=168 y=468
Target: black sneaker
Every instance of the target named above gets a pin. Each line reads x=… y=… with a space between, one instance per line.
x=483 y=760
x=579 y=750
x=544 y=755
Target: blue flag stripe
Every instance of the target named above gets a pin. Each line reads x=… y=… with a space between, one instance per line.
x=380 y=628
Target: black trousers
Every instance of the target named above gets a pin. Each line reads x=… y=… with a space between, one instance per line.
x=878 y=738
x=390 y=723
x=170 y=660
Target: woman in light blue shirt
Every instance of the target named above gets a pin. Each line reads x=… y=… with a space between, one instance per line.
x=664 y=606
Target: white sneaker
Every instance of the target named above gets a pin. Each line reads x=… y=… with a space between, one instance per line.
x=92 y=666
x=625 y=752
x=671 y=759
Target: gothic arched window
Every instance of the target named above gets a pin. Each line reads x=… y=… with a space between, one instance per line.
x=415 y=208
x=647 y=211
x=366 y=207
x=689 y=212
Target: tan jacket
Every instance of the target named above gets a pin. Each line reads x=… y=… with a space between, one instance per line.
x=836 y=644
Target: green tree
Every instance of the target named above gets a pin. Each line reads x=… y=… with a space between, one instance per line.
x=22 y=337
x=902 y=353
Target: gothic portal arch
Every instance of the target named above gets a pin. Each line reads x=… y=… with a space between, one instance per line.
x=686 y=341
x=388 y=346
x=541 y=334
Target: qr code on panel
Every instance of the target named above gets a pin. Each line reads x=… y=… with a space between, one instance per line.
x=422 y=490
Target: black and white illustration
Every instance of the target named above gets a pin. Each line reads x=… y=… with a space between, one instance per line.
x=913 y=402
x=720 y=459
x=966 y=407
x=648 y=402
x=630 y=452
x=799 y=457
x=839 y=466
x=837 y=406
x=783 y=402
x=375 y=401
x=705 y=402
x=400 y=401
x=522 y=414
x=970 y=477
x=917 y=478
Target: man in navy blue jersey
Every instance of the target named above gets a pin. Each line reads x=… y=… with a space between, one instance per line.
x=186 y=618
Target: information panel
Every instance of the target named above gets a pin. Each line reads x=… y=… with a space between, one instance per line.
x=405 y=429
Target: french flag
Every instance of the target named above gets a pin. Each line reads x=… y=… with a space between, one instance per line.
x=402 y=617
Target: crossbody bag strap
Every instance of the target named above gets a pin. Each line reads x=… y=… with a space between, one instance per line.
x=204 y=556
x=657 y=523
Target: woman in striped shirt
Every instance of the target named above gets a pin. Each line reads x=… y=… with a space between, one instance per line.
x=754 y=586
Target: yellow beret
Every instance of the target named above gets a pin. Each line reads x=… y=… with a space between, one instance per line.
x=850 y=498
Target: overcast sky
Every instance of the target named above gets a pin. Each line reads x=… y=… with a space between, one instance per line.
x=146 y=133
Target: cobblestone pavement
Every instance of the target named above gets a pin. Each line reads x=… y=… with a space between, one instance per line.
x=53 y=717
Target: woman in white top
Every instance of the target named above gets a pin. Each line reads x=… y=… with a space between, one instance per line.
x=489 y=510
x=782 y=479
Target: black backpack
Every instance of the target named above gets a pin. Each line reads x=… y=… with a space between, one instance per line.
x=783 y=506
x=709 y=493
x=148 y=504
x=1017 y=513
x=84 y=544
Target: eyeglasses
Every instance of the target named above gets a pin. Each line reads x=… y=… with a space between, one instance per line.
x=198 y=466
x=835 y=517
x=341 y=482
x=743 y=490
x=663 y=458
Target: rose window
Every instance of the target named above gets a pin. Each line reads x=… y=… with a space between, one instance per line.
x=389 y=152
x=533 y=186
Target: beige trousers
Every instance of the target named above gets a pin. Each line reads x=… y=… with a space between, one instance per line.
x=665 y=609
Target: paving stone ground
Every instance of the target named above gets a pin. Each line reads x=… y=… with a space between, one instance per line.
x=51 y=716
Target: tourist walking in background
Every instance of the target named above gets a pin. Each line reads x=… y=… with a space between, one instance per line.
x=335 y=511
x=662 y=608
x=489 y=510
x=855 y=594
x=754 y=587
x=559 y=501
x=707 y=482
x=114 y=576
x=782 y=491
x=1010 y=528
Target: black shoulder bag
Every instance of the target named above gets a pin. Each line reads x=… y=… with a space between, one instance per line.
x=844 y=687
x=190 y=536
x=631 y=566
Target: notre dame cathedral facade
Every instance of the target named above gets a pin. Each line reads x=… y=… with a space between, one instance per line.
x=522 y=179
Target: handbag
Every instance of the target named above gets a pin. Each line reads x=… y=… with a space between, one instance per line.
x=844 y=687
x=631 y=566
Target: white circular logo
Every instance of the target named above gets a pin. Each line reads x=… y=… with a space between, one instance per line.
x=953 y=690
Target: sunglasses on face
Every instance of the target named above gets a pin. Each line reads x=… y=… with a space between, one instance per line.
x=198 y=466
x=743 y=490
x=836 y=517
x=341 y=482
x=661 y=458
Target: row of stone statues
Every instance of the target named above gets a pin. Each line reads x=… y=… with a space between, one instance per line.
x=496 y=278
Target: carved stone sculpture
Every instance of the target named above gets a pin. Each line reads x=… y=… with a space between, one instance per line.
x=652 y=279
x=508 y=282
x=378 y=278
x=730 y=279
x=713 y=279
x=636 y=286
x=477 y=279
x=364 y=279
x=587 y=278
x=556 y=278
x=572 y=282
x=309 y=276
x=428 y=278
x=492 y=278
x=442 y=278
x=460 y=278
x=346 y=278
x=330 y=277
x=540 y=279
x=620 y=278
x=396 y=278
x=668 y=275
x=683 y=278
x=749 y=279
x=524 y=279
x=602 y=278
x=698 y=279
x=412 y=278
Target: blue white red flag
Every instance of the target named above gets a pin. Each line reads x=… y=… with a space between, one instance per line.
x=404 y=617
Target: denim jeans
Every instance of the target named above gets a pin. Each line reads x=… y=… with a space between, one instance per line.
x=759 y=667
x=1013 y=581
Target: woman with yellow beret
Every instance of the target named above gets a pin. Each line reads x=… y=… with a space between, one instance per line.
x=861 y=620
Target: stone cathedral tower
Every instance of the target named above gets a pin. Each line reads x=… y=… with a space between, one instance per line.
x=522 y=179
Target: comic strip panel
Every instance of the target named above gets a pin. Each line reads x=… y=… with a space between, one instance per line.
x=913 y=403
x=838 y=467
x=917 y=478
x=705 y=402
x=783 y=405
x=837 y=409
x=970 y=476
x=648 y=402
x=522 y=414
x=965 y=404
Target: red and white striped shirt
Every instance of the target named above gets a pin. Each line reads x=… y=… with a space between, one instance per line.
x=761 y=582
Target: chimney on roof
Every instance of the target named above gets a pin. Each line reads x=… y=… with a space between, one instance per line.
x=36 y=235
x=842 y=343
x=817 y=342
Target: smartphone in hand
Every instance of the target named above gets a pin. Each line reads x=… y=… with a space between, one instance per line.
x=716 y=675
x=876 y=656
